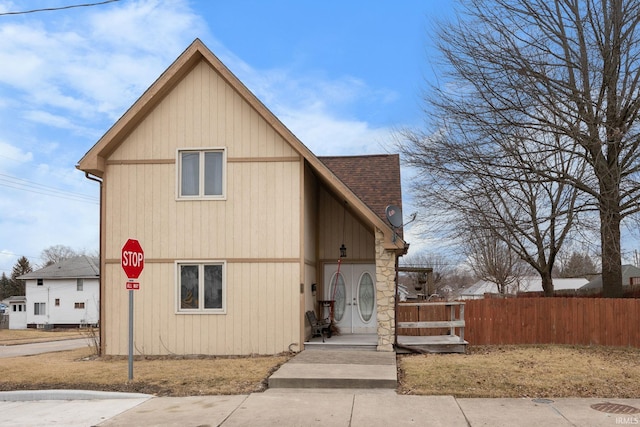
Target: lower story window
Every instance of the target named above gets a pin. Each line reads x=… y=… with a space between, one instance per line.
x=79 y=305
x=201 y=287
x=39 y=308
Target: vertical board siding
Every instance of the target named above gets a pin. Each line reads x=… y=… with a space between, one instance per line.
x=261 y=318
x=572 y=321
x=359 y=240
x=260 y=219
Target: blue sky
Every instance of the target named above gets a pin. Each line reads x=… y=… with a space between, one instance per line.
x=342 y=75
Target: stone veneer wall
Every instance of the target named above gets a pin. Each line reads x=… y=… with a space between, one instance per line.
x=385 y=293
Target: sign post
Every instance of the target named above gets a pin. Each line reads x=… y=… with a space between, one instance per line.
x=132 y=263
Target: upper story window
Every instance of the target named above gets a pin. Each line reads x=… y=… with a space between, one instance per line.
x=79 y=285
x=40 y=282
x=201 y=174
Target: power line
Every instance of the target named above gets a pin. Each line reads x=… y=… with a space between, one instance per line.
x=34 y=187
x=50 y=9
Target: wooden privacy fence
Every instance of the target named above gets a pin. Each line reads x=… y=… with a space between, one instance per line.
x=574 y=321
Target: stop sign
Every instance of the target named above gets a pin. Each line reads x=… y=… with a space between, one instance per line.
x=132 y=259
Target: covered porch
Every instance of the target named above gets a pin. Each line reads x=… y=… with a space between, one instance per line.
x=436 y=327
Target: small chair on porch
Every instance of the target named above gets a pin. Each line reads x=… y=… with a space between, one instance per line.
x=318 y=327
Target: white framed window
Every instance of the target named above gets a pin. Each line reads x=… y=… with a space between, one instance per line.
x=201 y=173
x=39 y=308
x=79 y=285
x=201 y=286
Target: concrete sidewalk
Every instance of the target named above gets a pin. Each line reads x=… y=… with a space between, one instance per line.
x=43 y=347
x=304 y=407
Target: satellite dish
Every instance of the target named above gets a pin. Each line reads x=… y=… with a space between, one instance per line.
x=394 y=215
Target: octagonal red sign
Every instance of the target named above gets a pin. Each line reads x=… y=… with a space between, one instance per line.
x=132 y=259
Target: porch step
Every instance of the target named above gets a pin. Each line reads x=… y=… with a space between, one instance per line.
x=334 y=346
x=433 y=344
x=345 y=369
x=366 y=342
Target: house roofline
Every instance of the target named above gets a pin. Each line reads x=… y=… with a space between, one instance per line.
x=94 y=161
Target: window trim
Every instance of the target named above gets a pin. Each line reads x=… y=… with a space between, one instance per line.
x=200 y=263
x=201 y=196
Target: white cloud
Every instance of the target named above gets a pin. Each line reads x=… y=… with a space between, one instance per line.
x=12 y=157
x=325 y=135
x=99 y=64
x=320 y=111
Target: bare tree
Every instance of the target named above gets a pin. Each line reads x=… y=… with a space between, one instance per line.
x=442 y=267
x=545 y=77
x=492 y=260
x=487 y=188
x=57 y=253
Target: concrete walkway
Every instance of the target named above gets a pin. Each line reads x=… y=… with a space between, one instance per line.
x=304 y=407
x=338 y=369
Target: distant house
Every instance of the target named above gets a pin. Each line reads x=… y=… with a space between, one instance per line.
x=629 y=273
x=243 y=228
x=63 y=295
x=526 y=284
x=477 y=290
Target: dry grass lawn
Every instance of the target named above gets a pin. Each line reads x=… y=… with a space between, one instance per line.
x=491 y=371
x=162 y=376
x=525 y=371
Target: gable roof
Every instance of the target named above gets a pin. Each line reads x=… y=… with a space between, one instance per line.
x=82 y=267
x=375 y=179
x=628 y=271
x=526 y=284
x=94 y=161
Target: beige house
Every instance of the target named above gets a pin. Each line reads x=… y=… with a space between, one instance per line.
x=240 y=223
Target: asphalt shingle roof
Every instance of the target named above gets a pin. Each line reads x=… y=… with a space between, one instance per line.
x=375 y=179
x=628 y=271
x=82 y=267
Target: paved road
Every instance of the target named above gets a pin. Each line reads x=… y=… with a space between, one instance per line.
x=42 y=347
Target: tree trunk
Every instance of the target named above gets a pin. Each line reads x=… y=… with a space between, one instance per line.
x=611 y=253
x=547 y=283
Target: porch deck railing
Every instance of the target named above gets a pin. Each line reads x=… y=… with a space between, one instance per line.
x=431 y=318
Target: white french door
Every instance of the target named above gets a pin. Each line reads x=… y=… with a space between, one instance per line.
x=354 y=293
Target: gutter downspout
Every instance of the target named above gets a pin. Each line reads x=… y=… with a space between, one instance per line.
x=100 y=306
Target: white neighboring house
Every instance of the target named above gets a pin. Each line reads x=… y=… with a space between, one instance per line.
x=527 y=284
x=64 y=295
